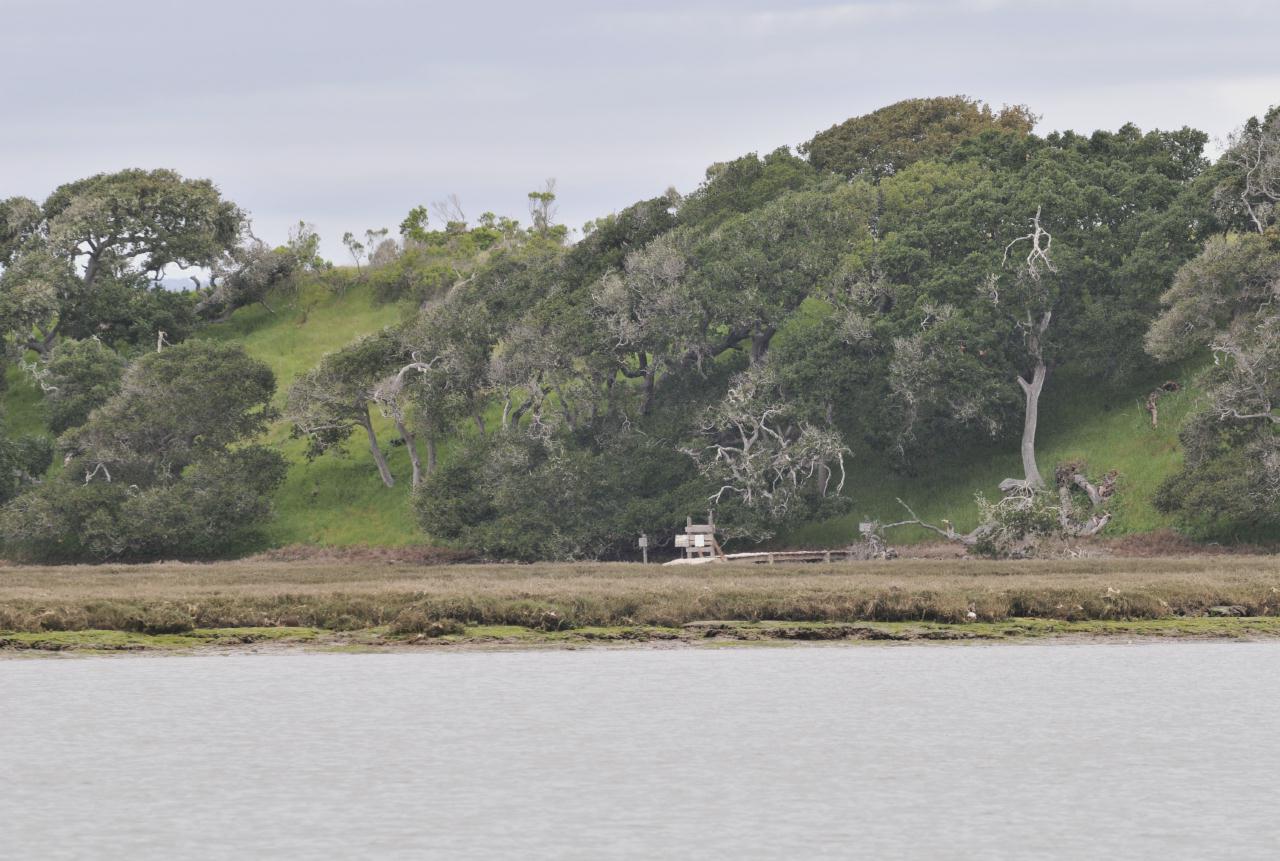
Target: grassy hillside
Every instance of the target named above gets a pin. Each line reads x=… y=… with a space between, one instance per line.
x=336 y=499
x=339 y=500
x=1108 y=433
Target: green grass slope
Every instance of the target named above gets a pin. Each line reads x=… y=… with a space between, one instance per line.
x=338 y=500
x=1112 y=432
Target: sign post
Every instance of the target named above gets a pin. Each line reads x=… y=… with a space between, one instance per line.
x=644 y=547
x=699 y=540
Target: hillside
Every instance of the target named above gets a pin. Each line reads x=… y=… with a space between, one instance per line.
x=801 y=341
x=1113 y=433
x=339 y=500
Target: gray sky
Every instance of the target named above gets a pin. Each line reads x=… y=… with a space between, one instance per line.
x=347 y=114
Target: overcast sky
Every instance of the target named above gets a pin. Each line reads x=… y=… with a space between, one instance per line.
x=347 y=114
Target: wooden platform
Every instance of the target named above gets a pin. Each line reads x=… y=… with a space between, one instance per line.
x=774 y=557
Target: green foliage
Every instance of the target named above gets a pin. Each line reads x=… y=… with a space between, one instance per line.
x=175 y=407
x=1225 y=300
x=738 y=186
x=514 y=497
x=130 y=313
x=884 y=142
x=572 y=396
x=328 y=403
x=249 y=273
x=84 y=263
x=31 y=283
x=333 y=500
x=1229 y=487
x=22 y=461
x=156 y=215
x=432 y=261
x=20 y=219
x=1230 y=284
x=1015 y=530
x=1081 y=423
x=304 y=247
x=81 y=376
x=542 y=211
x=161 y=469
x=944 y=286
x=414 y=226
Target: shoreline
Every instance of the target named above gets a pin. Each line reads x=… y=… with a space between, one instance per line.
x=708 y=634
x=252 y=605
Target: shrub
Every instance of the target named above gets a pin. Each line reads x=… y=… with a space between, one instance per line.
x=414 y=620
x=1014 y=526
x=153 y=472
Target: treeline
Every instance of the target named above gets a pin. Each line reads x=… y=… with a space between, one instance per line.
x=910 y=283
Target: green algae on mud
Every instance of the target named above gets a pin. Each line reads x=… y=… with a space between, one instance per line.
x=132 y=641
x=694 y=634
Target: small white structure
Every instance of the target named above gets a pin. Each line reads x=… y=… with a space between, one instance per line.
x=699 y=540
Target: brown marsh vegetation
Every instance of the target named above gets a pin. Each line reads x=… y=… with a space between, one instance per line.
x=343 y=594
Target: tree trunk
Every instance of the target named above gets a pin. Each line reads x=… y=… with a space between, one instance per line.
x=565 y=409
x=44 y=343
x=1032 y=479
x=431 y=454
x=411 y=443
x=519 y=412
x=650 y=388
x=367 y=423
x=479 y=420
x=1032 y=415
x=760 y=344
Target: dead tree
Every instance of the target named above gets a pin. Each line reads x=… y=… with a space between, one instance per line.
x=947 y=530
x=1255 y=153
x=757 y=452
x=1074 y=522
x=1153 y=400
x=1033 y=327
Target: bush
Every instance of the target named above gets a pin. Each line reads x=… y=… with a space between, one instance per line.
x=1014 y=526
x=22 y=462
x=83 y=375
x=152 y=474
x=519 y=498
x=414 y=620
x=1229 y=486
x=165 y=619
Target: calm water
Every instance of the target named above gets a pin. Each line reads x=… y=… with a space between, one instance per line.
x=1153 y=751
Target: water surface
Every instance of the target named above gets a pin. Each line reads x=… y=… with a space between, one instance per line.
x=1035 y=751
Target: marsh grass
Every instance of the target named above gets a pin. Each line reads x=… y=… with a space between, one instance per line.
x=336 y=595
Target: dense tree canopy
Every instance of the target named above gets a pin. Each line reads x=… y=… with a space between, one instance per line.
x=923 y=304
x=162 y=468
x=887 y=140
x=1227 y=300
x=79 y=377
x=912 y=283
x=82 y=263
